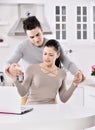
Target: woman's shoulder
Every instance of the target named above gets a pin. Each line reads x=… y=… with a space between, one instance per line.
x=32 y=68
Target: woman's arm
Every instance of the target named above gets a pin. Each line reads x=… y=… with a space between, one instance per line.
x=65 y=93
x=23 y=88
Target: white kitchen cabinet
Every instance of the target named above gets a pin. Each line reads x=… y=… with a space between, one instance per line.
x=83 y=96
x=89 y=96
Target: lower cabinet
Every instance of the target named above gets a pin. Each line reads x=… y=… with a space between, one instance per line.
x=83 y=96
x=89 y=96
x=89 y=99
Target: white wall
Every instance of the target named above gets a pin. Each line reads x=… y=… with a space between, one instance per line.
x=82 y=56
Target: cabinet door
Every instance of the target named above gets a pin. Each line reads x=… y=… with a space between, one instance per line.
x=89 y=96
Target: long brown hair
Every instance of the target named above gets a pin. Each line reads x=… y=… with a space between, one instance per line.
x=54 y=43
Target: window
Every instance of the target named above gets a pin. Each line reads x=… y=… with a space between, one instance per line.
x=60 y=22
x=81 y=22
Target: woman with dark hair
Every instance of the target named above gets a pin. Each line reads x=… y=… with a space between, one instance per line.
x=44 y=80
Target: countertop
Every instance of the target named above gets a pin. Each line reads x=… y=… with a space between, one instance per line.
x=50 y=117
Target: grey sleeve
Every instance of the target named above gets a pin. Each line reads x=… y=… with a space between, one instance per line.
x=16 y=55
x=69 y=65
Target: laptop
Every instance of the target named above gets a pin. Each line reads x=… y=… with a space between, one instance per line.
x=10 y=101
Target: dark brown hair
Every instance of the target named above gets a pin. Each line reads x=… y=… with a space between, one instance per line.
x=56 y=45
x=31 y=23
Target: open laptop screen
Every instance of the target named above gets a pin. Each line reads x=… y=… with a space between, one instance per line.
x=10 y=101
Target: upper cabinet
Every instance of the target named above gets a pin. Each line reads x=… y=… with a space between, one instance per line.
x=69 y=21
x=75 y=21
x=22 y=1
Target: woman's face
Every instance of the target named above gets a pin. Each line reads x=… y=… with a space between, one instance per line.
x=49 y=56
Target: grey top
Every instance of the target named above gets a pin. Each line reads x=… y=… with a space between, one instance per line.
x=43 y=88
x=31 y=54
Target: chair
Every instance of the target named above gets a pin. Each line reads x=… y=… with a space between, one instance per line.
x=23 y=100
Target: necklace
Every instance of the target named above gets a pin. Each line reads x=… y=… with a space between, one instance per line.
x=52 y=71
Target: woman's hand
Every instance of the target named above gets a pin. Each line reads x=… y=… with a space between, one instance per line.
x=78 y=77
x=13 y=70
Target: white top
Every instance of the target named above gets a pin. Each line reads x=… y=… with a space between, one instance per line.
x=51 y=117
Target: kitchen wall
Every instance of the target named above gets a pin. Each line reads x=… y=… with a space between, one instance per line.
x=83 y=52
x=83 y=56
